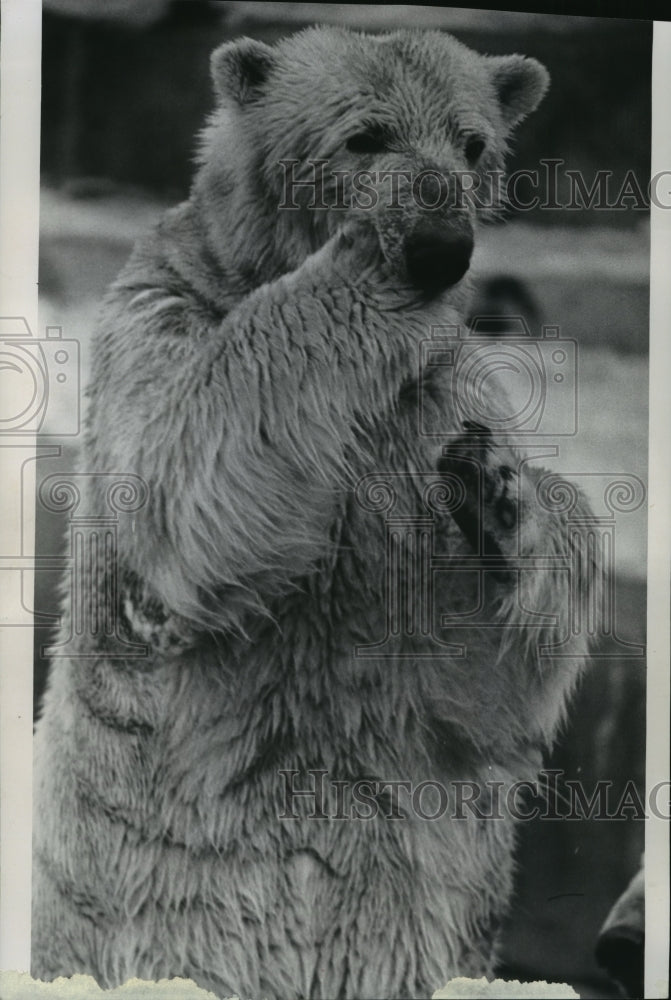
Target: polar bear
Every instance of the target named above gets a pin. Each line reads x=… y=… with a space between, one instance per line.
x=233 y=806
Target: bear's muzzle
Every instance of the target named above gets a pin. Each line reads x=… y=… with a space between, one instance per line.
x=437 y=256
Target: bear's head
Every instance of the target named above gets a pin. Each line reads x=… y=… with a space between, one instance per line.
x=410 y=127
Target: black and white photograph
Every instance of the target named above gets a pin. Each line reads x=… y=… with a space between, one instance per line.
x=336 y=519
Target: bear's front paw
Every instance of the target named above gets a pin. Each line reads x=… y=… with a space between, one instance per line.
x=357 y=250
x=351 y=257
x=491 y=485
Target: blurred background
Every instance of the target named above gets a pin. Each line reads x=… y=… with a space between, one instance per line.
x=126 y=88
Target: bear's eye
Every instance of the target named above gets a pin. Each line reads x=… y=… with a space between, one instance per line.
x=369 y=140
x=475 y=147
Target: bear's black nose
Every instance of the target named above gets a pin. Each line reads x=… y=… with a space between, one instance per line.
x=436 y=259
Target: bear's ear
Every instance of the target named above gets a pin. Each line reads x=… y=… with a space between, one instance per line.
x=520 y=83
x=240 y=68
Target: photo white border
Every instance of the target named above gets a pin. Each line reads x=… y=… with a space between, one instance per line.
x=20 y=82
x=657 y=830
x=20 y=68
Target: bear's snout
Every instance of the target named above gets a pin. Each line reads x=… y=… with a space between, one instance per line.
x=437 y=257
